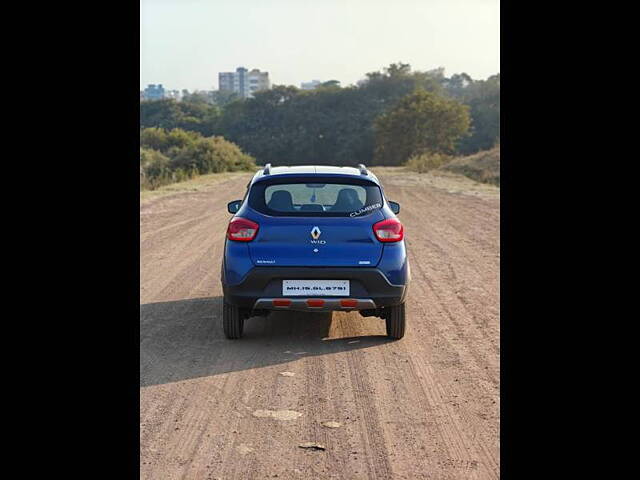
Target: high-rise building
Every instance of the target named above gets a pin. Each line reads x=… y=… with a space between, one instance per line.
x=154 y=92
x=243 y=82
x=310 y=85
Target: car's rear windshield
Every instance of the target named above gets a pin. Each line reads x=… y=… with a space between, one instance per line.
x=315 y=197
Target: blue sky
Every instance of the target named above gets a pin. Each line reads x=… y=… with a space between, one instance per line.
x=185 y=43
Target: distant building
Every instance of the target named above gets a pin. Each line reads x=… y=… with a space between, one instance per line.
x=154 y=92
x=310 y=85
x=243 y=82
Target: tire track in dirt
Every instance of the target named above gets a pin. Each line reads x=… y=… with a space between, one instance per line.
x=372 y=432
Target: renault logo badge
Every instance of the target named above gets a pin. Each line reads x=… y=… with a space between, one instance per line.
x=315 y=233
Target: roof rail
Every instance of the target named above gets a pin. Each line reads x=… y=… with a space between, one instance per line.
x=363 y=169
x=267 y=169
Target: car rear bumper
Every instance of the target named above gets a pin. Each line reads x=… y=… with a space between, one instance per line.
x=310 y=304
x=265 y=284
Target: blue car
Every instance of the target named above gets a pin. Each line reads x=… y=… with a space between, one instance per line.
x=314 y=239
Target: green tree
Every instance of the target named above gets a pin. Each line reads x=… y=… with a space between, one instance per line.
x=330 y=84
x=422 y=122
x=197 y=98
x=483 y=98
x=221 y=98
x=398 y=69
x=160 y=113
x=194 y=114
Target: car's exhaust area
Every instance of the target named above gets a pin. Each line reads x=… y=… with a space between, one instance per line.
x=314 y=304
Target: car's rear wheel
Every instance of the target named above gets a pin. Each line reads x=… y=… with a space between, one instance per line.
x=232 y=321
x=395 y=319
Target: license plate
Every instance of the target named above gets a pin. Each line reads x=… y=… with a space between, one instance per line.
x=308 y=288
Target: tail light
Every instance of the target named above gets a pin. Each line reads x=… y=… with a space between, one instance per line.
x=242 y=230
x=389 y=230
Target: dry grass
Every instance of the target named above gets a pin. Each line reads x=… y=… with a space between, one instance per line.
x=201 y=183
x=482 y=167
x=426 y=162
x=447 y=181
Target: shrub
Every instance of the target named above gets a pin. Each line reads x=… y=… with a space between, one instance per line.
x=154 y=169
x=177 y=155
x=426 y=162
x=154 y=139
x=482 y=167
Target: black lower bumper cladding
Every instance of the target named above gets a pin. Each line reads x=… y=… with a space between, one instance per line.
x=266 y=282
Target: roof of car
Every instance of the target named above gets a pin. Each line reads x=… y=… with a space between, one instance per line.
x=324 y=170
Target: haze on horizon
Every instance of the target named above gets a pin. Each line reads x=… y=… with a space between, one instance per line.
x=185 y=43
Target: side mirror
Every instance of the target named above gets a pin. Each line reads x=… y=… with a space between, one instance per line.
x=234 y=206
x=395 y=207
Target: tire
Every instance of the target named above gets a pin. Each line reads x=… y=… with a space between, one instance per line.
x=232 y=321
x=395 y=320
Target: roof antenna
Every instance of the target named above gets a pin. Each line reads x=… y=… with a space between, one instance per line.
x=267 y=169
x=363 y=169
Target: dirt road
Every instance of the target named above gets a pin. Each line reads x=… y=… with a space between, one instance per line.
x=426 y=406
